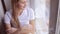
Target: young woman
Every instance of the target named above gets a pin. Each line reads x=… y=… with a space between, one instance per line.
x=20 y=17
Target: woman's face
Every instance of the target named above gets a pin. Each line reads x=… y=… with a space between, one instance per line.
x=21 y=4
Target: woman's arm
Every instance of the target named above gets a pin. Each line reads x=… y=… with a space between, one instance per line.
x=8 y=26
x=32 y=22
x=10 y=29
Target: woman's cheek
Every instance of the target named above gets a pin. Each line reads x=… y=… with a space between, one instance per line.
x=22 y=5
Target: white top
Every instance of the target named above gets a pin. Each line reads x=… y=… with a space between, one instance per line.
x=24 y=18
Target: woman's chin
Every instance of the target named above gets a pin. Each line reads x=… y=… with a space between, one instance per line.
x=20 y=7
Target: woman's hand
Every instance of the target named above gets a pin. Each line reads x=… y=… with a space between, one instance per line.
x=11 y=30
x=26 y=28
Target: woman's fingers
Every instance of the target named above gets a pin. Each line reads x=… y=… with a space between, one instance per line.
x=12 y=30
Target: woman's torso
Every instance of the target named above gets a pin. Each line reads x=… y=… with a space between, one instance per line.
x=23 y=18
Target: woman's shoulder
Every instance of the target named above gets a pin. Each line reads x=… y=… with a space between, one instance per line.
x=7 y=17
x=31 y=13
x=8 y=13
x=29 y=8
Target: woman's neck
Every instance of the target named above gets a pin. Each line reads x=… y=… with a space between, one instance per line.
x=20 y=11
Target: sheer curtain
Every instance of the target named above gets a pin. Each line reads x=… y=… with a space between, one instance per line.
x=41 y=17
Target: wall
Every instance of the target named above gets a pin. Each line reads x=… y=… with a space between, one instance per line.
x=2 y=31
x=1 y=11
x=7 y=4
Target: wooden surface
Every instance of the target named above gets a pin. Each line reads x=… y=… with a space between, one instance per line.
x=58 y=21
x=53 y=16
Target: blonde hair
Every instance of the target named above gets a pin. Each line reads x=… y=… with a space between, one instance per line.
x=14 y=13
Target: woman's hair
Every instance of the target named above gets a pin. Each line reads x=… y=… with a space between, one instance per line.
x=14 y=13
